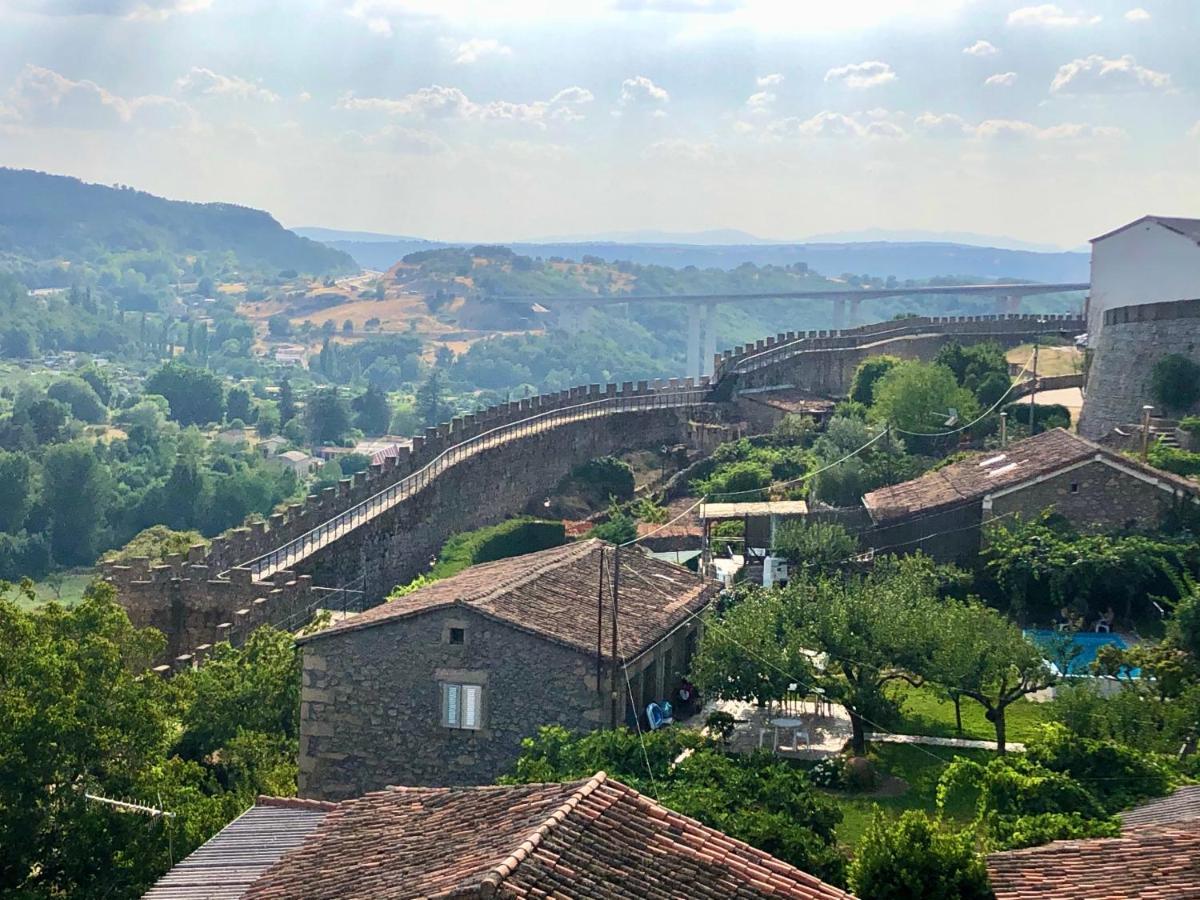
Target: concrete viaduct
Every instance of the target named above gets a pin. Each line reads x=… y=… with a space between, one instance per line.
x=702 y=338
x=383 y=526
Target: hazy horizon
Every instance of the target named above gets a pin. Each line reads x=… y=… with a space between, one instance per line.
x=1045 y=124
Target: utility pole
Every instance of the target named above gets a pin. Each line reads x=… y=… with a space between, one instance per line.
x=1033 y=393
x=616 y=582
x=1003 y=430
x=600 y=630
x=1146 y=411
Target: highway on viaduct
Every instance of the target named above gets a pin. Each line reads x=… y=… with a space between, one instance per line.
x=702 y=338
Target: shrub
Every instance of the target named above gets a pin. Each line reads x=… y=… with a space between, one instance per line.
x=869 y=371
x=914 y=857
x=817 y=546
x=603 y=478
x=1175 y=382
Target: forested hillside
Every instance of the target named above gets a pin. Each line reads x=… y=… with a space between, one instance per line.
x=47 y=220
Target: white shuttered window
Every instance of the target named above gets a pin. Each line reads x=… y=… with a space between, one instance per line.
x=461 y=705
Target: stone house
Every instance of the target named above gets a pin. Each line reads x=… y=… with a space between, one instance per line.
x=301 y=464
x=1095 y=487
x=439 y=687
x=594 y=838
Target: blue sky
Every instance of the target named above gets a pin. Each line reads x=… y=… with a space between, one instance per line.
x=505 y=120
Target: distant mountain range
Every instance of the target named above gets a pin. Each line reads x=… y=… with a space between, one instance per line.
x=47 y=218
x=904 y=259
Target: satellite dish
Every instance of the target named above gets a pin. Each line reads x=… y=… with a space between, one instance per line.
x=952 y=419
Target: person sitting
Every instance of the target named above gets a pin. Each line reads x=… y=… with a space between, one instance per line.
x=1104 y=623
x=687 y=697
x=1063 y=622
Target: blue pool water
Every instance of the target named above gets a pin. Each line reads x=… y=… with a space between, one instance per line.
x=1088 y=643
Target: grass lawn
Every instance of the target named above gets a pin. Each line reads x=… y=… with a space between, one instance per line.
x=1051 y=360
x=71 y=589
x=924 y=712
x=919 y=768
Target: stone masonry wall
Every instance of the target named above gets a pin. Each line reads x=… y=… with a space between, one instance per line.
x=1095 y=497
x=370 y=703
x=1133 y=339
x=824 y=362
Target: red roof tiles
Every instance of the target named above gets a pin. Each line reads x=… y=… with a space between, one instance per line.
x=1144 y=863
x=983 y=473
x=590 y=839
x=553 y=593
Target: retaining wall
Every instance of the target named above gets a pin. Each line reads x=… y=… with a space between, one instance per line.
x=1133 y=339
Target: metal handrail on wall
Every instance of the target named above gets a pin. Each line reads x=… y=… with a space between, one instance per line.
x=299 y=548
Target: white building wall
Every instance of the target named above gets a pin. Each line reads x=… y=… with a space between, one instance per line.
x=1144 y=263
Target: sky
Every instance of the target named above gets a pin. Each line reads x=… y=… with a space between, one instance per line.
x=520 y=119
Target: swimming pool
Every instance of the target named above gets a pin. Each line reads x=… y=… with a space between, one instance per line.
x=1088 y=642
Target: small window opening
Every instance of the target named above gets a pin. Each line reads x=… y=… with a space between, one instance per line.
x=1074 y=487
x=459 y=635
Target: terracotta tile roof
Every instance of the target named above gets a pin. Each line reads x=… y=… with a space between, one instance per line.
x=1181 y=806
x=589 y=839
x=1144 y=863
x=553 y=593
x=971 y=479
x=225 y=866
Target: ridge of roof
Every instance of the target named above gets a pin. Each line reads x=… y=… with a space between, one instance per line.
x=393 y=609
x=294 y=803
x=1182 y=225
x=495 y=876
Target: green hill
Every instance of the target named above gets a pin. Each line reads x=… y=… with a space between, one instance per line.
x=52 y=218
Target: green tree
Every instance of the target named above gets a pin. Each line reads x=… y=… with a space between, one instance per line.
x=18 y=342
x=372 y=412
x=918 y=397
x=1175 y=382
x=982 y=655
x=915 y=857
x=869 y=371
x=195 y=395
x=279 y=325
x=287 y=401
x=431 y=407
x=237 y=405
x=16 y=489
x=77 y=489
x=875 y=628
x=266 y=418
x=85 y=404
x=326 y=416
x=821 y=547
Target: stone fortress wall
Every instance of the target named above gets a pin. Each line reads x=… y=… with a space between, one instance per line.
x=1133 y=339
x=221 y=591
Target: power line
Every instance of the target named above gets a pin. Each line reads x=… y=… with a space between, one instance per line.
x=1012 y=387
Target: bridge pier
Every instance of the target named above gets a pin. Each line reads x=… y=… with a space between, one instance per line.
x=839 y=313
x=1005 y=306
x=701 y=339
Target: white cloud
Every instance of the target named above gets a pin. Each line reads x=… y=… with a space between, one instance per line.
x=1096 y=75
x=122 y=9
x=1015 y=129
x=640 y=91
x=201 y=81
x=1050 y=16
x=862 y=75
x=942 y=124
x=876 y=123
x=44 y=97
x=1194 y=131
x=766 y=81
x=1137 y=14
x=475 y=49
x=1001 y=79
x=395 y=139
x=952 y=125
x=761 y=102
x=304 y=96
x=981 y=48
x=439 y=102
x=679 y=6
x=680 y=149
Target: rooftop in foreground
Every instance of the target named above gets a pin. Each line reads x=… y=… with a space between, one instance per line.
x=586 y=839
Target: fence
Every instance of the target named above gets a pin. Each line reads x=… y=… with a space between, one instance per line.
x=289 y=554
